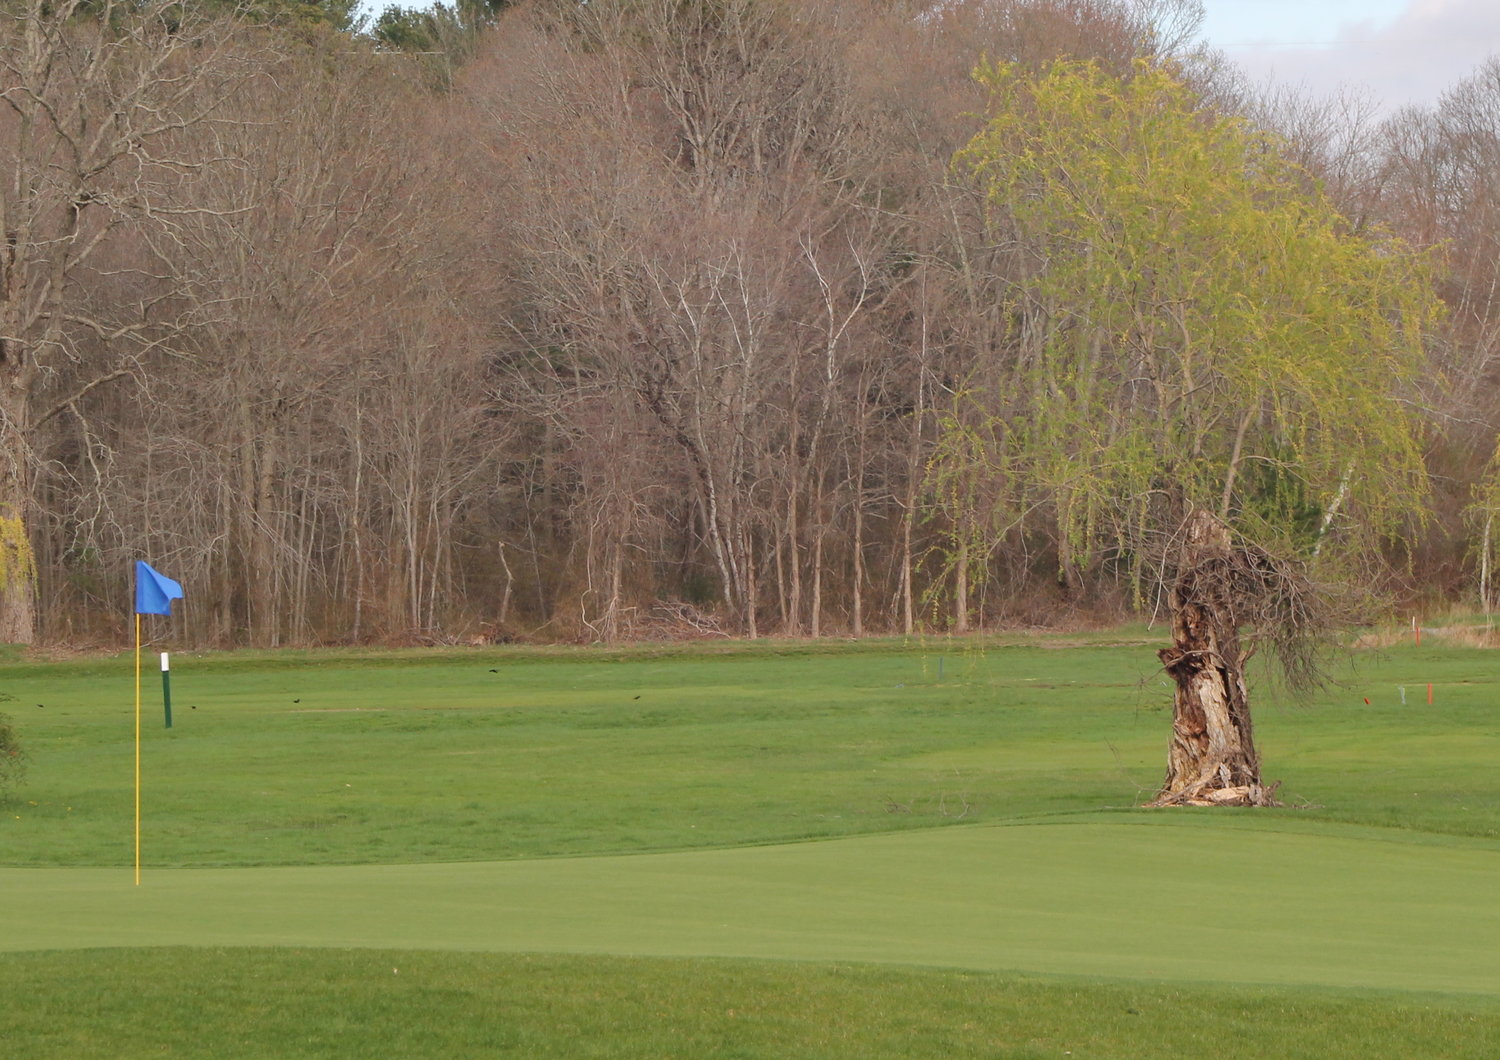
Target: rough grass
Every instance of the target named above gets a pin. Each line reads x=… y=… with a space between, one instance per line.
x=255 y=1003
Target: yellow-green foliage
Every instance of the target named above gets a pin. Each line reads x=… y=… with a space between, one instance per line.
x=17 y=563
x=1186 y=306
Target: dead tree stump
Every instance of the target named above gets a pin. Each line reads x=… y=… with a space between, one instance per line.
x=1212 y=759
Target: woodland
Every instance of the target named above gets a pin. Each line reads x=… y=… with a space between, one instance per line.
x=657 y=318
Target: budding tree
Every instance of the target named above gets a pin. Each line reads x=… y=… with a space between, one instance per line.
x=1204 y=354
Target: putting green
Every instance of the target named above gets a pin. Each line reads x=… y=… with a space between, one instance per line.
x=1162 y=899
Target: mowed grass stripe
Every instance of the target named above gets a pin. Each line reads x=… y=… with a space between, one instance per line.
x=1148 y=901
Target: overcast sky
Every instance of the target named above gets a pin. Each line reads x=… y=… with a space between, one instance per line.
x=1400 y=51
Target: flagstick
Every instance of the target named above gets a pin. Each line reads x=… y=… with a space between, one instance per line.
x=138 y=749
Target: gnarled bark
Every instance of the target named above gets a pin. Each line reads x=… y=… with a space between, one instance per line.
x=1212 y=759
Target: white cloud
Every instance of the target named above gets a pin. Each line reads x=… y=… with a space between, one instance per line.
x=1411 y=58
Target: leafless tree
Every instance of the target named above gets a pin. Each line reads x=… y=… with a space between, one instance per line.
x=329 y=405
x=97 y=99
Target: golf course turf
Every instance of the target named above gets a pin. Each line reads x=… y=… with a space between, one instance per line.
x=930 y=848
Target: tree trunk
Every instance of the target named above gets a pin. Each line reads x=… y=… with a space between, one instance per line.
x=961 y=589
x=1484 y=563
x=17 y=571
x=1212 y=759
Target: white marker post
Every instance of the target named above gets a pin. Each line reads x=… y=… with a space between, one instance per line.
x=166 y=688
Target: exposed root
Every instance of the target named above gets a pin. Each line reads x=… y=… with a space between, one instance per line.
x=1206 y=793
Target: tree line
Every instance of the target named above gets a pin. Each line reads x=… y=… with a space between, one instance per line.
x=665 y=317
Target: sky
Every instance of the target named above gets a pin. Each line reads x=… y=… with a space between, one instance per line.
x=1398 y=52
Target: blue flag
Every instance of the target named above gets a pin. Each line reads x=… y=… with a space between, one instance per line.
x=154 y=592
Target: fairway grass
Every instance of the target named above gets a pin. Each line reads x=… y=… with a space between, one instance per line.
x=926 y=849
x=458 y=756
x=255 y=1003
x=503 y=755
x=1363 y=910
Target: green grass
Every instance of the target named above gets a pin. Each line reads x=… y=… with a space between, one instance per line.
x=1347 y=907
x=434 y=757
x=340 y=761
x=955 y=823
x=255 y=1003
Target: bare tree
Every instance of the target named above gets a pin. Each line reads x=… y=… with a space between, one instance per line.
x=330 y=404
x=97 y=97
x=671 y=200
x=1437 y=186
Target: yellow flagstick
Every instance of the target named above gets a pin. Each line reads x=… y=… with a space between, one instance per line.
x=154 y=593
x=137 y=748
